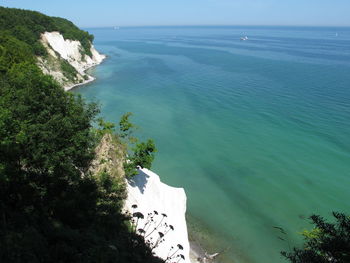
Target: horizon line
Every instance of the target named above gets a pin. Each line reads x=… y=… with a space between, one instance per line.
x=217 y=25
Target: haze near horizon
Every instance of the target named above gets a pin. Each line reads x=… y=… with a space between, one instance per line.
x=104 y=13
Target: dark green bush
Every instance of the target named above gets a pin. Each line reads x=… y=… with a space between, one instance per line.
x=27 y=26
x=68 y=70
x=51 y=208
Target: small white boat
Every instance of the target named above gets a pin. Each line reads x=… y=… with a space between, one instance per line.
x=244 y=38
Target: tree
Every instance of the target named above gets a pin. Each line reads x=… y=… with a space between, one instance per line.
x=125 y=126
x=27 y=26
x=141 y=154
x=52 y=209
x=327 y=242
x=105 y=126
x=144 y=154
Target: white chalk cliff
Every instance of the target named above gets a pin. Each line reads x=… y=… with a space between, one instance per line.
x=59 y=48
x=149 y=194
x=145 y=190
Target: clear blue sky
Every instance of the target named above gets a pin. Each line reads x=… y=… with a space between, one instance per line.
x=95 y=13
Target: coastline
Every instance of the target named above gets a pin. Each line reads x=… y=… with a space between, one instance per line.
x=203 y=247
x=91 y=78
x=67 y=88
x=195 y=252
x=195 y=249
x=148 y=194
x=59 y=48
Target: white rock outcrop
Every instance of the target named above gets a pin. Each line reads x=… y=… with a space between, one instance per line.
x=149 y=194
x=69 y=50
x=145 y=190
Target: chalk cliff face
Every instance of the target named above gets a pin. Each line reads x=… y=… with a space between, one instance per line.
x=145 y=190
x=149 y=194
x=66 y=61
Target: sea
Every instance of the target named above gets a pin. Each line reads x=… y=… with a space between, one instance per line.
x=256 y=131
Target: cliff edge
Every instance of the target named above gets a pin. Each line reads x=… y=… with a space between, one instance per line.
x=164 y=208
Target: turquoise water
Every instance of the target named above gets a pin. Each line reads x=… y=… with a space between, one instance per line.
x=257 y=131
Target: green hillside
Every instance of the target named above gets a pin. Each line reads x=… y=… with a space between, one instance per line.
x=28 y=25
x=52 y=208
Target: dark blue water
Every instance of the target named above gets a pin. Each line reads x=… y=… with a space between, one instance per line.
x=256 y=131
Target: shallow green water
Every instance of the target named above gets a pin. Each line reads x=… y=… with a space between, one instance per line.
x=257 y=131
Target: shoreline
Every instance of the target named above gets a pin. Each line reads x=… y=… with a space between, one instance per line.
x=91 y=78
x=58 y=48
x=206 y=246
x=196 y=251
x=147 y=193
x=199 y=254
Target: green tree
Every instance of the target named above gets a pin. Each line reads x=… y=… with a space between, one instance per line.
x=140 y=154
x=51 y=208
x=126 y=128
x=27 y=26
x=327 y=242
x=144 y=154
x=105 y=127
x=13 y=51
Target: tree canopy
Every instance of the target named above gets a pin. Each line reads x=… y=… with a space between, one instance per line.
x=139 y=154
x=27 y=26
x=326 y=243
x=51 y=208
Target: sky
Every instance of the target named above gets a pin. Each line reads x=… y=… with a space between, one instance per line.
x=100 y=13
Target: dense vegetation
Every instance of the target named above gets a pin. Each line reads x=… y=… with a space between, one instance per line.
x=326 y=243
x=28 y=25
x=140 y=154
x=52 y=209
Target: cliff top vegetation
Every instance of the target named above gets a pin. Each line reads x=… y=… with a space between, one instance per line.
x=27 y=26
x=52 y=208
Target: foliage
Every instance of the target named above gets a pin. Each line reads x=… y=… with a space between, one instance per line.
x=13 y=51
x=144 y=154
x=105 y=126
x=327 y=242
x=68 y=70
x=27 y=26
x=141 y=153
x=125 y=126
x=314 y=233
x=130 y=169
x=51 y=208
x=155 y=223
